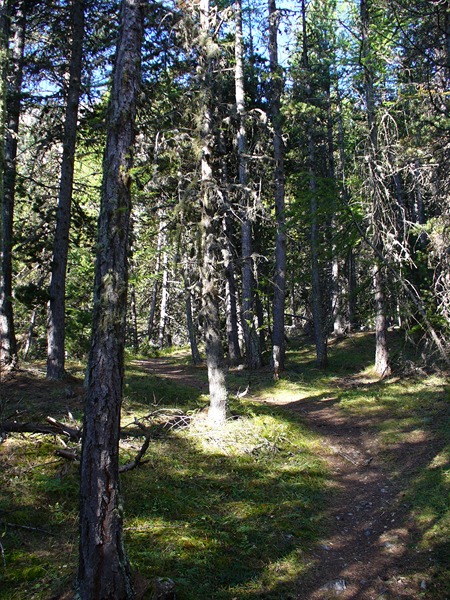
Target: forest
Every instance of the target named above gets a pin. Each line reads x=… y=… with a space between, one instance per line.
x=215 y=218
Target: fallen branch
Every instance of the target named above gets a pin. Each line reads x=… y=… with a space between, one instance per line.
x=27 y=527
x=69 y=454
x=73 y=433
x=73 y=455
x=54 y=428
x=138 y=459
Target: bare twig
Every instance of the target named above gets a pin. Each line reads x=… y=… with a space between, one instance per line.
x=27 y=527
x=138 y=459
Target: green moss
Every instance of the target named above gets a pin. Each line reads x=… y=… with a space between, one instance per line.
x=231 y=512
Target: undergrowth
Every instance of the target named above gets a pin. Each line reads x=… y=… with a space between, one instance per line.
x=226 y=513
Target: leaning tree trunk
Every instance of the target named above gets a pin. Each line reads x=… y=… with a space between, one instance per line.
x=104 y=571
x=211 y=233
x=278 y=343
x=57 y=290
x=8 y=345
x=251 y=341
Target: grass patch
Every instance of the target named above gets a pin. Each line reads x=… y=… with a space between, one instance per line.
x=231 y=512
x=227 y=512
x=223 y=506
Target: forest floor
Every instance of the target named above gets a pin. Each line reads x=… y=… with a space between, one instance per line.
x=372 y=548
x=382 y=527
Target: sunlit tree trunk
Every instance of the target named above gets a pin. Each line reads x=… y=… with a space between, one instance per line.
x=381 y=349
x=231 y=301
x=104 y=571
x=210 y=210
x=57 y=290
x=8 y=345
x=278 y=334
x=251 y=341
x=164 y=299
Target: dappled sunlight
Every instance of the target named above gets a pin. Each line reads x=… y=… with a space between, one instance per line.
x=321 y=485
x=221 y=510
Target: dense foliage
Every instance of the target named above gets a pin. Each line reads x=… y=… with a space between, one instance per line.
x=365 y=132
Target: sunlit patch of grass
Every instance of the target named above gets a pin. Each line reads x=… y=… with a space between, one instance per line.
x=220 y=510
x=230 y=512
x=144 y=392
x=38 y=516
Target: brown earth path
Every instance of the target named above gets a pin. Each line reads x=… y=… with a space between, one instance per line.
x=369 y=553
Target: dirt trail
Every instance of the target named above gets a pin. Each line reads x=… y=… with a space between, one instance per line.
x=369 y=553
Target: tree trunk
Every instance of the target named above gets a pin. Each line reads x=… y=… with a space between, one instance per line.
x=164 y=300
x=320 y=339
x=196 y=358
x=381 y=343
x=352 y=291
x=210 y=210
x=133 y=310
x=234 y=350
x=5 y=354
x=151 y=315
x=104 y=571
x=57 y=290
x=317 y=308
x=350 y=259
x=30 y=333
x=278 y=337
x=381 y=350
x=8 y=345
x=251 y=341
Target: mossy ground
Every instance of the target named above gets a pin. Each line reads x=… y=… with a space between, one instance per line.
x=227 y=513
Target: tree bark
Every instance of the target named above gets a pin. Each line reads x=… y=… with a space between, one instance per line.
x=8 y=345
x=57 y=290
x=251 y=341
x=278 y=337
x=210 y=215
x=104 y=571
x=231 y=303
x=381 y=350
x=317 y=308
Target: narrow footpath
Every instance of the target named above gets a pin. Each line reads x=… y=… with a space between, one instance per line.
x=369 y=553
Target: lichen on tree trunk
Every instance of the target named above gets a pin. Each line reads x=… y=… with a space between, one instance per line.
x=104 y=571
